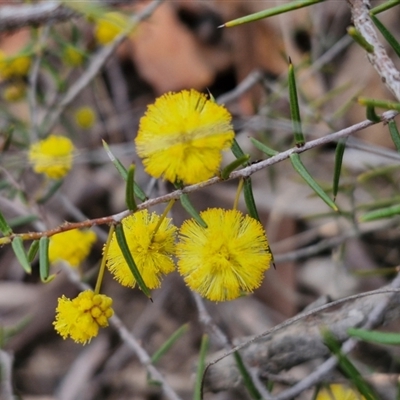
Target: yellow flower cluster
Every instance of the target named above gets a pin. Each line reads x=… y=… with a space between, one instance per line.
x=82 y=317
x=182 y=135
x=109 y=26
x=14 y=66
x=14 y=91
x=71 y=246
x=225 y=259
x=52 y=156
x=152 y=251
x=72 y=56
x=338 y=391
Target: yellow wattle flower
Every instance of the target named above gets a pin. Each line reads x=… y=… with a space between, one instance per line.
x=14 y=66
x=338 y=391
x=14 y=92
x=81 y=317
x=109 y=26
x=151 y=252
x=85 y=117
x=52 y=156
x=225 y=259
x=182 y=135
x=72 y=56
x=71 y=246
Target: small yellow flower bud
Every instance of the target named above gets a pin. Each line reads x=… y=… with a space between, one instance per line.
x=14 y=92
x=72 y=56
x=85 y=117
x=109 y=26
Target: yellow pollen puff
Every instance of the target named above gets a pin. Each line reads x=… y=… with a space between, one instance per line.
x=79 y=318
x=52 y=156
x=14 y=66
x=72 y=56
x=182 y=135
x=152 y=262
x=71 y=246
x=225 y=259
x=85 y=117
x=109 y=26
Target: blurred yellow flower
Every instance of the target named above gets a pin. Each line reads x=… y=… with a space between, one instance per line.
x=182 y=135
x=338 y=391
x=52 y=156
x=14 y=92
x=72 y=56
x=85 y=117
x=109 y=26
x=228 y=257
x=71 y=246
x=151 y=252
x=14 y=66
x=82 y=317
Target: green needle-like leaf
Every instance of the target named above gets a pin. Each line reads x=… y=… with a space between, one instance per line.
x=295 y=5
x=51 y=191
x=249 y=199
x=18 y=246
x=384 y=6
x=359 y=39
x=129 y=190
x=294 y=108
x=188 y=206
x=386 y=212
x=123 y=172
x=375 y=336
x=264 y=148
x=301 y=169
x=248 y=382
x=169 y=343
x=394 y=133
x=123 y=245
x=347 y=367
x=236 y=149
x=385 y=104
x=33 y=249
x=387 y=35
x=4 y=227
x=233 y=165
x=44 y=263
x=340 y=148
x=200 y=367
x=372 y=115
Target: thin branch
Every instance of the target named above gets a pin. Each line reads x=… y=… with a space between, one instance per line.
x=6 y=361
x=242 y=173
x=15 y=17
x=378 y=57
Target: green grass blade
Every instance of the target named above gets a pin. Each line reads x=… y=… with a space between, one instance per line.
x=339 y=152
x=18 y=246
x=294 y=108
x=301 y=169
x=123 y=245
x=200 y=368
x=386 y=338
x=188 y=206
x=295 y=5
x=394 y=133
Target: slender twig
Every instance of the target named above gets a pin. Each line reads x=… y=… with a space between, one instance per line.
x=97 y=62
x=242 y=173
x=6 y=360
